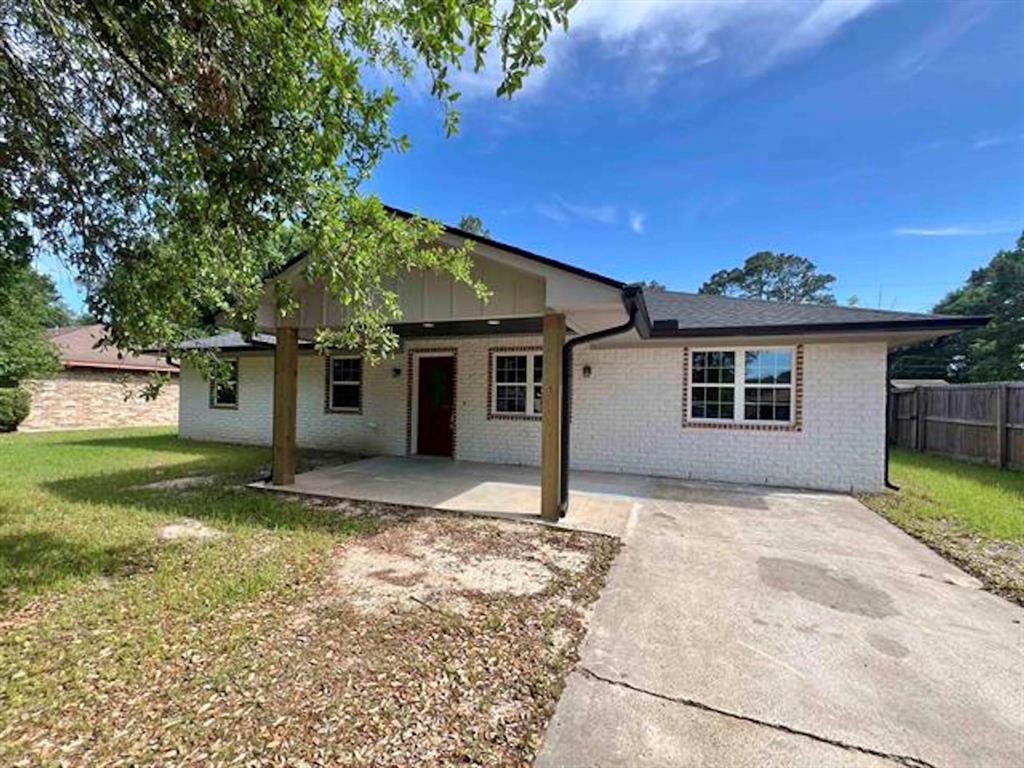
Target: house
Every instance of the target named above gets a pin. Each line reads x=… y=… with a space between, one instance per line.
x=661 y=383
x=96 y=386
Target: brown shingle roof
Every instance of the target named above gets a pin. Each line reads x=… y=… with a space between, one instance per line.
x=77 y=346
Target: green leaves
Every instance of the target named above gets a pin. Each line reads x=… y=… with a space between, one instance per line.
x=174 y=153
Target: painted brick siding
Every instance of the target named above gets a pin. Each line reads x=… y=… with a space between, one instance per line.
x=627 y=416
x=79 y=398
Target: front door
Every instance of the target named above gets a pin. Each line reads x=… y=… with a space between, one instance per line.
x=435 y=422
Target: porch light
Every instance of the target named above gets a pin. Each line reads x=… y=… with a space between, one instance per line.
x=396 y=372
x=587 y=370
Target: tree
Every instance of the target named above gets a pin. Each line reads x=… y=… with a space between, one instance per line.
x=175 y=152
x=28 y=306
x=773 y=277
x=653 y=285
x=994 y=352
x=474 y=224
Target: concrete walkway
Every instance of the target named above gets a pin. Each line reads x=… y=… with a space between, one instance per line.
x=788 y=629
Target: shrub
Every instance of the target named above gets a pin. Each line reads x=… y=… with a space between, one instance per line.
x=14 y=407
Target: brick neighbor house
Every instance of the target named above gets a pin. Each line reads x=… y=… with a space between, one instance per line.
x=91 y=389
x=564 y=368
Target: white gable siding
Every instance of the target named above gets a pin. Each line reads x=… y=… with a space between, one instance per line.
x=627 y=416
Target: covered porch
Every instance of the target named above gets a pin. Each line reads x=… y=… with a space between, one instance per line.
x=598 y=502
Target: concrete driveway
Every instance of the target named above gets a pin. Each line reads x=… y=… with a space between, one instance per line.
x=753 y=628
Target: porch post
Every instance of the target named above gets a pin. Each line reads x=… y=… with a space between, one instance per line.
x=551 y=425
x=286 y=374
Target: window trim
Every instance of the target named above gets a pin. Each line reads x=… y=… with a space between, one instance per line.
x=492 y=383
x=214 y=403
x=740 y=386
x=329 y=384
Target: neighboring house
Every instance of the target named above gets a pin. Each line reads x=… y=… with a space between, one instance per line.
x=689 y=386
x=98 y=386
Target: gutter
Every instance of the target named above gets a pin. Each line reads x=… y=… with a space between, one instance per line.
x=632 y=299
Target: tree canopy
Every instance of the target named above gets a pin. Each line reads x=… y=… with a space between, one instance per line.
x=175 y=152
x=994 y=352
x=29 y=305
x=474 y=224
x=773 y=277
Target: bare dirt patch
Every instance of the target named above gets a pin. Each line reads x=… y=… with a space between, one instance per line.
x=186 y=528
x=442 y=563
x=177 y=483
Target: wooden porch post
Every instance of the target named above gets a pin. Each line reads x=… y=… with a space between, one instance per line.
x=551 y=426
x=286 y=374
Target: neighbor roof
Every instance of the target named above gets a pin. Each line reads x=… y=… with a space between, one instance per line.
x=77 y=346
x=673 y=313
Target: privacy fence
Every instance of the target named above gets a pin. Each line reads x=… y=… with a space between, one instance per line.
x=976 y=422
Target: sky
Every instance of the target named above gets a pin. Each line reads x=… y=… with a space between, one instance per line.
x=666 y=139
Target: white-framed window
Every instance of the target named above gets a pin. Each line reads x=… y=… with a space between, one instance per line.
x=224 y=394
x=345 y=384
x=745 y=385
x=516 y=383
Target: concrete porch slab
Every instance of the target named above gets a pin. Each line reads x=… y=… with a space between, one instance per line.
x=598 y=502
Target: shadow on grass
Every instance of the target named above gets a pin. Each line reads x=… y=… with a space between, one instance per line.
x=226 y=502
x=32 y=562
x=164 y=443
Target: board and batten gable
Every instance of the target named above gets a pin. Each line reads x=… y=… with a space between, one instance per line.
x=627 y=416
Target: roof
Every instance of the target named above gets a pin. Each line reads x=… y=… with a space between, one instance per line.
x=77 y=346
x=507 y=247
x=673 y=313
x=232 y=341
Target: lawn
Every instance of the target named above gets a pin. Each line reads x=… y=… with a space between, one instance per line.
x=273 y=631
x=971 y=513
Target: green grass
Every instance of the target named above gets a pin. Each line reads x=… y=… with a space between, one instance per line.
x=90 y=596
x=973 y=498
x=70 y=512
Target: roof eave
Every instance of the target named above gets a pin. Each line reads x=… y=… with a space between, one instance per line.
x=663 y=329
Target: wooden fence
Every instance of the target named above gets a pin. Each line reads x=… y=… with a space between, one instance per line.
x=976 y=422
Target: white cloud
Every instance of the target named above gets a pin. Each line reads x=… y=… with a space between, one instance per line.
x=950 y=231
x=990 y=140
x=561 y=210
x=656 y=38
x=637 y=221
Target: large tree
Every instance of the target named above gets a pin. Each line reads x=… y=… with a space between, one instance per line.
x=773 y=277
x=994 y=352
x=175 y=152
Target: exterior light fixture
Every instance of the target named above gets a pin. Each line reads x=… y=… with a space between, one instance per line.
x=587 y=370
x=396 y=372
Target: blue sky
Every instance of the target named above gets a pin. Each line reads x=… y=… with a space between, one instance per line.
x=665 y=140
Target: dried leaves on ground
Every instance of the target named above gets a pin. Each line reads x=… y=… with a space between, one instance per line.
x=431 y=640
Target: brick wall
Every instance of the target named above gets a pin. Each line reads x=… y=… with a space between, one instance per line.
x=80 y=397
x=627 y=416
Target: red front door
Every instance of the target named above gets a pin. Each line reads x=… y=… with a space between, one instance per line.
x=435 y=422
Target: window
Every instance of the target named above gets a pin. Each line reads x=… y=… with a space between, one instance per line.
x=224 y=394
x=742 y=385
x=345 y=384
x=516 y=386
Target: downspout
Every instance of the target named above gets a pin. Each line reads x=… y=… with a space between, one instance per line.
x=888 y=436
x=631 y=300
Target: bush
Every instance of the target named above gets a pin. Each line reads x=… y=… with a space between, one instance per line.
x=14 y=407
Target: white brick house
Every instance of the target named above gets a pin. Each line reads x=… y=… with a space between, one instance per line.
x=695 y=387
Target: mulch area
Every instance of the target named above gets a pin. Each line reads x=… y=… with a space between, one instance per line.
x=451 y=650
